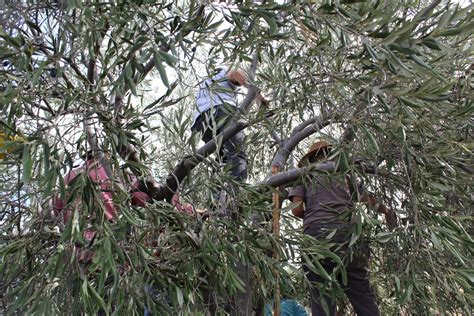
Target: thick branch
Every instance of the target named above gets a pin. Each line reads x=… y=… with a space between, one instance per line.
x=288 y=177
x=303 y=125
x=184 y=167
x=276 y=138
x=302 y=131
x=91 y=70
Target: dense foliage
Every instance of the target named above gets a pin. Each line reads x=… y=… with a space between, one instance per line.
x=388 y=83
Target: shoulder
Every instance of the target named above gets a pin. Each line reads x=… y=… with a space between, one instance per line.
x=298 y=190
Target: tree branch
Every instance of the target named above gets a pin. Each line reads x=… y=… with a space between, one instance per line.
x=288 y=177
x=302 y=131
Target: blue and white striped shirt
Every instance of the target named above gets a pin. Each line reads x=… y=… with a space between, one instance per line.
x=215 y=91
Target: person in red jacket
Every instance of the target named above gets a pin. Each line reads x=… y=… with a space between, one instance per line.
x=97 y=174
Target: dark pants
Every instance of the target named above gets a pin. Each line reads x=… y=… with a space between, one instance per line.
x=358 y=288
x=232 y=151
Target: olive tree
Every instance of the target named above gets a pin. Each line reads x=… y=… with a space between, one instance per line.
x=388 y=83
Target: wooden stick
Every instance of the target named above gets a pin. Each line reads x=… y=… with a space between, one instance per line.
x=276 y=198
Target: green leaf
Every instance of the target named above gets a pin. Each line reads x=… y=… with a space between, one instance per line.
x=131 y=84
x=469 y=274
x=97 y=297
x=179 y=295
x=408 y=293
x=27 y=164
x=168 y=58
x=34 y=26
x=322 y=272
x=371 y=51
x=50 y=183
x=439 y=186
x=384 y=237
x=432 y=43
x=419 y=61
x=397 y=283
x=435 y=241
x=453 y=31
x=400 y=33
x=270 y=19
x=371 y=138
x=161 y=69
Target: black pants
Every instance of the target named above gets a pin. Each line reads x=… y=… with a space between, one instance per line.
x=358 y=288
x=215 y=121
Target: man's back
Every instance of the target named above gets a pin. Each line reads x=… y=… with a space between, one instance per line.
x=327 y=199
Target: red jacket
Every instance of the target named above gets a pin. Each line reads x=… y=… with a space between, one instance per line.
x=96 y=173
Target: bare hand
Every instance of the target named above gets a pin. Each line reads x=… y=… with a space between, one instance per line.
x=263 y=101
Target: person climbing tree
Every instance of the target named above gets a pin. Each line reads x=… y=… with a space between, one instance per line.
x=216 y=101
x=326 y=204
x=100 y=203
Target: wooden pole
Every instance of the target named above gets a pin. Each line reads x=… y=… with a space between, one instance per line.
x=276 y=199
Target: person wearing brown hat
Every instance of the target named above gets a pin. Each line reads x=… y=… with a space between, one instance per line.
x=325 y=202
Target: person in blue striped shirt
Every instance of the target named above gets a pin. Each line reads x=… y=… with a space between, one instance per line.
x=216 y=101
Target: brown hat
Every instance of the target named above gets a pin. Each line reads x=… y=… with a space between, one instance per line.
x=316 y=149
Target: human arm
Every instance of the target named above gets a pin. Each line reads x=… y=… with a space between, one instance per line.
x=183 y=208
x=297 y=196
x=298 y=210
x=373 y=203
x=138 y=192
